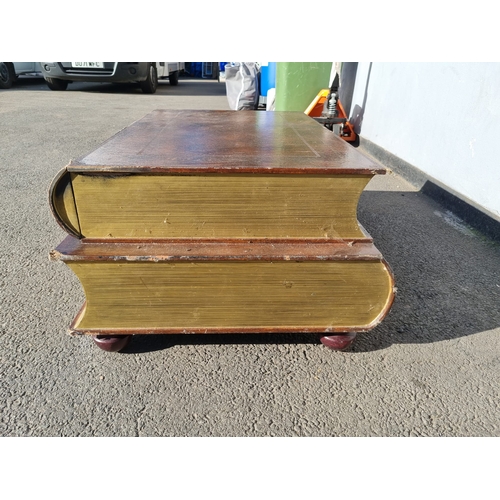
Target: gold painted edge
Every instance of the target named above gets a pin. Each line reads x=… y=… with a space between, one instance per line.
x=75 y=331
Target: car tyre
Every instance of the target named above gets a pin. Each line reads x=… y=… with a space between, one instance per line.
x=56 y=83
x=7 y=75
x=173 y=78
x=150 y=85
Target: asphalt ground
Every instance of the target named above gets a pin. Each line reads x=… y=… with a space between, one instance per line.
x=431 y=368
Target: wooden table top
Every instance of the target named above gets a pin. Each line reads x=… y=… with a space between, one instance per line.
x=193 y=142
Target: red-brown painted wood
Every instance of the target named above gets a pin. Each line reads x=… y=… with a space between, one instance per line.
x=111 y=343
x=338 y=342
x=193 y=142
x=73 y=249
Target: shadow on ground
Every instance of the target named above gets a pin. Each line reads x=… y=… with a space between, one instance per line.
x=447 y=274
x=187 y=86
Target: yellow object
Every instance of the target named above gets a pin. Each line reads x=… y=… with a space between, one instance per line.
x=316 y=106
x=224 y=294
x=218 y=206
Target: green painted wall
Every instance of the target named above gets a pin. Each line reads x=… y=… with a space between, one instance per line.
x=298 y=83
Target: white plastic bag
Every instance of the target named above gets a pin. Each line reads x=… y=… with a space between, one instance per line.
x=242 y=85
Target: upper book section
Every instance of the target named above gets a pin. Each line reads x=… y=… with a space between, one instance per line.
x=215 y=175
x=226 y=141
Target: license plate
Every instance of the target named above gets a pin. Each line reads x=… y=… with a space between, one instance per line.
x=87 y=65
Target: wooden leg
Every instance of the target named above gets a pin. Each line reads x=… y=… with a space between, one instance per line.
x=111 y=343
x=338 y=342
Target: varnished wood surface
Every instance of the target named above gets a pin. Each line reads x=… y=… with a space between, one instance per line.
x=226 y=141
x=273 y=295
x=73 y=249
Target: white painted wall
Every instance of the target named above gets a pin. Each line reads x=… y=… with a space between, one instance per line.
x=443 y=118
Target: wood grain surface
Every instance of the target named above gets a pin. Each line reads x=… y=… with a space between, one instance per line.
x=73 y=249
x=217 y=141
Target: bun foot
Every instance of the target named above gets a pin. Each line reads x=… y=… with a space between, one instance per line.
x=338 y=342
x=111 y=343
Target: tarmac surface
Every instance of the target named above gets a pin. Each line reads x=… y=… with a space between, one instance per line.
x=431 y=368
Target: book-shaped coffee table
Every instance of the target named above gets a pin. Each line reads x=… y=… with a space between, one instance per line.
x=221 y=222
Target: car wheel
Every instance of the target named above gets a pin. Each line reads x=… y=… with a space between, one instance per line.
x=7 y=75
x=150 y=85
x=173 y=78
x=56 y=83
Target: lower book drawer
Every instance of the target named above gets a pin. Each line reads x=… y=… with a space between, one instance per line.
x=228 y=287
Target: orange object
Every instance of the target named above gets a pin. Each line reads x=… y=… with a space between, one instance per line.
x=315 y=110
x=316 y=107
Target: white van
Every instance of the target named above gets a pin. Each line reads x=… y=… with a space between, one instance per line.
x=59 y=74
x=11 y=71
